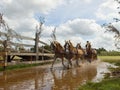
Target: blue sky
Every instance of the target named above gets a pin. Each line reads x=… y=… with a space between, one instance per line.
x=76 y=20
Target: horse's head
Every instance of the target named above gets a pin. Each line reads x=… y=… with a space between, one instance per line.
x=56 y=46
x=53 y=45
x=68 y=46
x=78 y=46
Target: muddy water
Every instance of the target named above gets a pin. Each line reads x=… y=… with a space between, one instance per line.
x=43 y=78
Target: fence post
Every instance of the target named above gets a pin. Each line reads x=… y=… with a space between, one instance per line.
x=42 y=53
x=36 y=46
x=5 y=60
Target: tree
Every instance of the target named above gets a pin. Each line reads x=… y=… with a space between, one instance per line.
x=9 y=33
x=2 y=22
x=111 y=28
x=99 y=50
x=38 y=34
x=53 y=35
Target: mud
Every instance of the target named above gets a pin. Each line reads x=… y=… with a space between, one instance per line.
x=43 y=78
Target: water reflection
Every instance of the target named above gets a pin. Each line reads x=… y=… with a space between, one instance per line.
x=42 y=78
x=70 y=79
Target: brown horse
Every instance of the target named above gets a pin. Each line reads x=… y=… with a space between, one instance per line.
x=94 y=54
x=91 y=54
x=73 y=53
x=58 y=51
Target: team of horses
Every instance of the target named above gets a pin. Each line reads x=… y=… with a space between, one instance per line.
x=72 y=53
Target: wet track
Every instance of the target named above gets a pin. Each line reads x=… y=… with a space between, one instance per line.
x=43 y=78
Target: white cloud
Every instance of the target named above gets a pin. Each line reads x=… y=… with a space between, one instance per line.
x=23 y=6
x=20 y=15
x=107 y=10
x=78 y=26
x=79 y=31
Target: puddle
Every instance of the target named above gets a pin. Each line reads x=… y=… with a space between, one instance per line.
x=43 y=78
x=102 y=68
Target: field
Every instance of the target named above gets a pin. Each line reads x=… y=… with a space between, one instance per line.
x=109 y=58
x=109 y=83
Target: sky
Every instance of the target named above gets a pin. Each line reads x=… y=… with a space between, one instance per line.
x=75 y=20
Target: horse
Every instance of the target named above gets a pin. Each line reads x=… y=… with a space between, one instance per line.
x=73 y=53
x=58 y=51
x=91 y=54
x=78 y=46
x=94 y=54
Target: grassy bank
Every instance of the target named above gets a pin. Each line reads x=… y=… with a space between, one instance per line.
x=109 y=83
x=109 y=58
x=23 y=65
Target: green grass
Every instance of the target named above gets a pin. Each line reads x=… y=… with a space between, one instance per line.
x=19 y=66
x=107 y=83
x=109 y=58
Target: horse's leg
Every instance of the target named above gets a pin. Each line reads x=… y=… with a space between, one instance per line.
x=77 y=62
x=89 y=59
x=53 y=61
x=92 y=58
x=96 y=57
x=63 y=62
x=69 y=63
x=82 y=58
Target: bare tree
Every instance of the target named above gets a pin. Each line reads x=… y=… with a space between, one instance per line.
x=9 y=35
x=39 y=27
x=111 y=28
x=38 y=34
x=2 y=22
x=53 y=35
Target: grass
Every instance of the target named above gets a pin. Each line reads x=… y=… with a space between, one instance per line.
x=110 y=83
x=109 y=58
x=22 y=65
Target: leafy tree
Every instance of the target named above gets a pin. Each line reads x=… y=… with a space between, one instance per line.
x=99 y=50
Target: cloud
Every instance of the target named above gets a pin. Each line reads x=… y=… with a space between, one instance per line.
x=83 y=27
x=72 y=24
x=19 y=14
x=22 y=6
x=82 y=30
x=107 y=10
